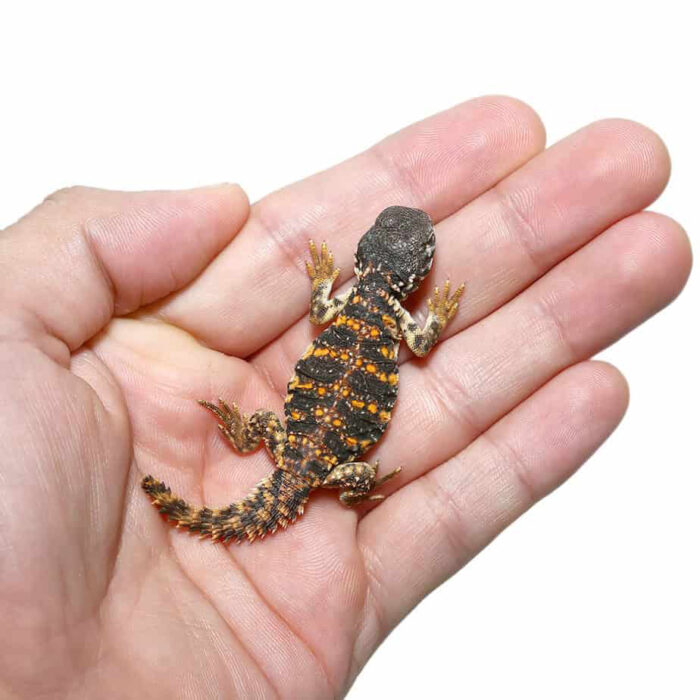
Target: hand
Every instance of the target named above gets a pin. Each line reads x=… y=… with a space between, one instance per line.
x=121 y=310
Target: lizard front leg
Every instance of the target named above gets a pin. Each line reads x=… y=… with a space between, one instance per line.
x=323 y=274
x=246 y=432
x=441 y=310
x=358 y=480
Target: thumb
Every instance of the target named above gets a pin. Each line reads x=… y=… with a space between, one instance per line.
x=84 y=255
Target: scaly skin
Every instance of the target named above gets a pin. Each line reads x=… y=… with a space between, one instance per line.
x=343 y=389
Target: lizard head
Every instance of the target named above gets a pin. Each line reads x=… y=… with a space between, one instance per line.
x=399 y=248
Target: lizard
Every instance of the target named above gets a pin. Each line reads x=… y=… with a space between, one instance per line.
x=340 y=398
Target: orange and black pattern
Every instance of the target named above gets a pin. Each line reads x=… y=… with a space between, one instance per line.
x=275 y=502
x=340 y=398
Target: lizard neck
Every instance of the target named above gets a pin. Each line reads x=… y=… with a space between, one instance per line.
x=374 y=284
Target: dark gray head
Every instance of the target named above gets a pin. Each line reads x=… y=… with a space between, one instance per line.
x=399 y=248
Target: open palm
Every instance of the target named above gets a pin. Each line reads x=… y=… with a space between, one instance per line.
x=120 y=310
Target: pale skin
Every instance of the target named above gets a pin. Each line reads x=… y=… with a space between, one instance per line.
x=121 y=310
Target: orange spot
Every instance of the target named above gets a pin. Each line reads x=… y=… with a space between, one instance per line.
x=320 y=352
x=365 y=444
x=393 y=378
x=384 y=415
x=358 y=362
x=384 y=350
x=358 y=404
x=321 y=390
x=337 y=422
x=374 y=332
x=318 y=412
x=351 y=441
x=344 y=356
x=345 y=392
x=371 y=368
x=296 y=415
x=356 y=299
x=382 y=377
x=372 y=408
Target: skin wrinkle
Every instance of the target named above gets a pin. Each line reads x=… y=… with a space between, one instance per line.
x=118 y=553
x=221 y=617
x=449 y=394
x=98 y=409
x=76 y=651
x=370 y=601
x=437 y=494
x=264 y=372
x=415 y=193
x=520 y=228
x=292 y=248
x=325 y=672
x=341 y=284
x=63 y=354
x=183 y=569
x=171 y=551
x=541 y=303
x=281 y=340
x=83 y=231
x=517 y=468
x=96 y=608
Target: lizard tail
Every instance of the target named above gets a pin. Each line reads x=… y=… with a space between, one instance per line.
x=275 y=502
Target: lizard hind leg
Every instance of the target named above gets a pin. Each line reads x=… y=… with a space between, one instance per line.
x=358 y=480
x=246 y=433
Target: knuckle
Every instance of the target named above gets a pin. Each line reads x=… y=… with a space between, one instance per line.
x=66 y=195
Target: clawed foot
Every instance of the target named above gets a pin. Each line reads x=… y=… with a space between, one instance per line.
x=358 y=479
x=444 y=306
x=232 y=420
x=321 y=269
x=377 y=484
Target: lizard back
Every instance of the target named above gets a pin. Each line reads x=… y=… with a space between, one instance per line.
x=344 y=387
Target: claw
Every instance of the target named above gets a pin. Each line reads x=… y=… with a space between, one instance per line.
x=443 y=305
x=321 y=268
x=386 y=477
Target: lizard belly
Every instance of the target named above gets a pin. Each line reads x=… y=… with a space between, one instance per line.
x=342 y=392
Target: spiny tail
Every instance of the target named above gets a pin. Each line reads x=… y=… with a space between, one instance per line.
x=275 y=502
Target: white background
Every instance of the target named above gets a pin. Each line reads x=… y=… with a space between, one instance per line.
x=594 y=593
